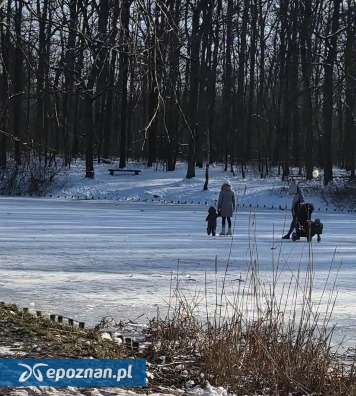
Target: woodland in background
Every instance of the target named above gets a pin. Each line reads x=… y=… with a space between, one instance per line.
x=236 y=81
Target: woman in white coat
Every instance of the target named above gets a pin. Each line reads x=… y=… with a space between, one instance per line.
x=226 y=206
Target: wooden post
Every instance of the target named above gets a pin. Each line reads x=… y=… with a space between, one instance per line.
x=128 y=342
x=206 y=177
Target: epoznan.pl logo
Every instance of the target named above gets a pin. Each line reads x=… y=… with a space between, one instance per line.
x=32 y=370
x=72 y=372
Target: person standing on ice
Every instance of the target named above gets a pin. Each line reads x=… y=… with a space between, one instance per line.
x=226 y=206
x=297 y=199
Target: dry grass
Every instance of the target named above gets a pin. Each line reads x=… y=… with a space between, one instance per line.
x=38 y=337
x=264 y=340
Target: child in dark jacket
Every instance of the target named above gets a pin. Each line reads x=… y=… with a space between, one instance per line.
x=211 y=219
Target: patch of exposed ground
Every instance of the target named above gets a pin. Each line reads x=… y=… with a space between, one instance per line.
x=23 y=335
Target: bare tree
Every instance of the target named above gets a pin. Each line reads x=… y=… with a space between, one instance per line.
x=350 y=89
x=42 y=77
x=215 y=80
x=68 y=130
x=172 y=108
x=193 y=126
x=307 y=94
x=240 y=141
x=18 y=80
x=227 y=93
x=331 y=51
x=4 y=89
x=123 y=67
x=110 y=92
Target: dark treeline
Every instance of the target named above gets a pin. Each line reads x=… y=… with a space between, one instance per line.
x=268 y=81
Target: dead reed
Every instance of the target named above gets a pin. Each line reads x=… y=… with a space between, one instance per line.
x=270 y=338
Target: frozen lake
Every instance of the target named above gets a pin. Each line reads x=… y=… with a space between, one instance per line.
x=88 y=259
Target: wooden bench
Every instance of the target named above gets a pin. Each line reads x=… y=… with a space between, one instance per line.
x=294 y=177
x=134 y=171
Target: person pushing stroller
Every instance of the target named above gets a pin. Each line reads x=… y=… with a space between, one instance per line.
x=302 y=222
x=298 y=198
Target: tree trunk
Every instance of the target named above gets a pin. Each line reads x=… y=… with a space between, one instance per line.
x=18 y=81
x=68 y=95
x=282 y=151
x=89 y=136
x=227 y=86
x=108 y=122
x=194 y=89
x=328 y=94
x=240 y=138
x=350 y=92
x=250 y=125
x=172 y=118
x=4 y=90
x=212 y=94
x=124 y=67
x=102 y=65
x=307 y=102
x=41 y=76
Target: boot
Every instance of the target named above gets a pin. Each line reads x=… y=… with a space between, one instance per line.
x=286 y=236
x=222 y=231
x=229 y=231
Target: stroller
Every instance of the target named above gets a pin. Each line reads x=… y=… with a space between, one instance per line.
x=304 y=226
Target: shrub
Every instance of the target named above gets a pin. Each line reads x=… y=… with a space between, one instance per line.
x=29 y=178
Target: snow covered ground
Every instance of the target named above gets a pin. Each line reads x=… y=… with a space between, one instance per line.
x=116 y=245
